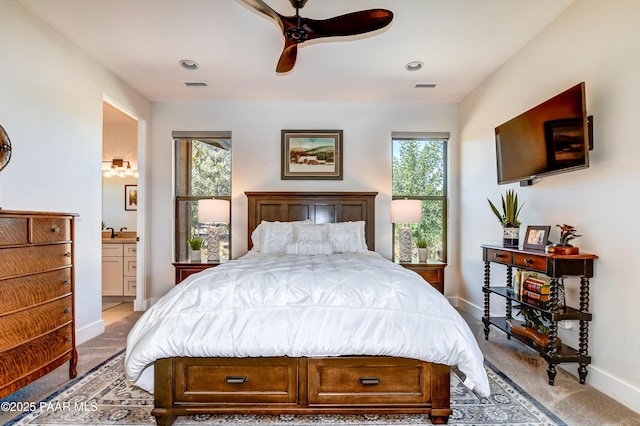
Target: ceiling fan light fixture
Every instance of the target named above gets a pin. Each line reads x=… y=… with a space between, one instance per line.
x=188 y=64
x=414 y=66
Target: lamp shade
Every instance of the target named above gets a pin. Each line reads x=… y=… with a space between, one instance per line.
x=406 y=211
x=213 y=210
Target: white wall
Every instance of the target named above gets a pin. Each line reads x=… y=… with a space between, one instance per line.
x=596 y=42
x=113 y=213
x=255 y=154
x=51 y=107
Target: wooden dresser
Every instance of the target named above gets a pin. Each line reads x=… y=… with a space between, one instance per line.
x=37 y=325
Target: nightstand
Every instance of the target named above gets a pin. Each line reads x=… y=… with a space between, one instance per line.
x=432 y=271
x=186 y=268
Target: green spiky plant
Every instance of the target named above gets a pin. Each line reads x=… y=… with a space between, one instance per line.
x=195 y=243
x=510 y=210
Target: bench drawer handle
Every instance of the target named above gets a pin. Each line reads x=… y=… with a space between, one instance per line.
x=236 y=380
x=369 y=381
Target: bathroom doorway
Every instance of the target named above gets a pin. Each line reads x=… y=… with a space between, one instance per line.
x=120 y=218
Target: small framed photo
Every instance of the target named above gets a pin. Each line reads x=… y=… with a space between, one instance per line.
x=131 y=197
x=311 y=154
x=536 y=237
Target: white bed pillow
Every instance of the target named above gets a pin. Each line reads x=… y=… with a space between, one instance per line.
x=310 y=232
x=269 y=233
x=347 y=237
x=309 y=248
x=276 y=237
x=258 y=235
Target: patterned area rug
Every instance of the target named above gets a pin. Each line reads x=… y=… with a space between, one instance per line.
x=104 y=397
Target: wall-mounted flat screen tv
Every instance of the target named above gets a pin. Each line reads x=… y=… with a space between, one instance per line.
x=550 y=138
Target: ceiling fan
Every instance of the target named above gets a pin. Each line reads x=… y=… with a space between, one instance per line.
x=297 y=29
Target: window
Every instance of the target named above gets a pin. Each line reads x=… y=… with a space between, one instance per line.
x=419 y=169
x=202 y=170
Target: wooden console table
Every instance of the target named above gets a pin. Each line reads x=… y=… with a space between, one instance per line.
x=555 y=267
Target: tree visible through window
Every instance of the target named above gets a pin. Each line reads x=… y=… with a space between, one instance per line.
x=419 y=172
x=203 y=170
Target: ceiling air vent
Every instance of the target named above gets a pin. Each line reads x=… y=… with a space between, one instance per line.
x=195 y=83
x=425 y=85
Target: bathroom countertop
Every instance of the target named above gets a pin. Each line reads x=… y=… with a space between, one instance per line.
x=121 y=237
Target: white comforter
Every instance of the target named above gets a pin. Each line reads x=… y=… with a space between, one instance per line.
x=328 y=305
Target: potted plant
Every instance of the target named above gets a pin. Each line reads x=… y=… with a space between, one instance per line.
x=423 y=251
x=195 y=243
x=567 y=233
x=509 y=218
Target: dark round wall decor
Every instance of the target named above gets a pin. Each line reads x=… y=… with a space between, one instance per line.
x=5 y=148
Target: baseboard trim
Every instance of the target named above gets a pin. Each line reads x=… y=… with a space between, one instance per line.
x=611 y=386
x=89 y=331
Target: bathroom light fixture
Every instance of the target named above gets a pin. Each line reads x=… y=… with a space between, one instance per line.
x=414 y=66
x=188 y=64
x=118 y=167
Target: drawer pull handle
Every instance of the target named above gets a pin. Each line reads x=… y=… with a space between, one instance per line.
x=55 y=229
x=498 y=255
x=67 y=339
x=369 y=381
x=66 y=282
x=67 y=310
x=67 y=254
x=528 y=261
x=236 y=380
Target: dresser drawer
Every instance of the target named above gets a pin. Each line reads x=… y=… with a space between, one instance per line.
x=498 y=256
x=50 y=230
x=13 y=231
x=23 y=360
x=19 y=293
x=530 y=261
x=25 y=260
x=30 y=323
x=367 y=380
x=230 y=380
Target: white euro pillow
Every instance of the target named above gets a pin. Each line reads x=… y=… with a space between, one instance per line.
x=347 y=237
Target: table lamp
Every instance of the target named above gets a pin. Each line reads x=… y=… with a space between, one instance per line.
x=406 y=211
x=213 y=211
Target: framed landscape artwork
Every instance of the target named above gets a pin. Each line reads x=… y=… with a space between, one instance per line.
x=311 y=154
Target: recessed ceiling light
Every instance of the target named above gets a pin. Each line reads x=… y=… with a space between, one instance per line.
x=414 y=66
x=188 y=64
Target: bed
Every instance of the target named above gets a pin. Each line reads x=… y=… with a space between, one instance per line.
x=223 y=352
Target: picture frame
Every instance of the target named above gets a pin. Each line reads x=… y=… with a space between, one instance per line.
x=131 y=197
x=537 y=237
x=311 y=154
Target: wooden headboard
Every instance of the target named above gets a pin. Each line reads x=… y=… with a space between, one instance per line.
x=318 y=207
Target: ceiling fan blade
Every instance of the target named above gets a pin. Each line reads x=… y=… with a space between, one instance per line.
x=262 y=7
x=288 y=57
x=360 y=22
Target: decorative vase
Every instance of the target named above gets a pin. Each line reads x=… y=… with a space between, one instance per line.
x=510 y=237
x=195 y=256
x=423 y=254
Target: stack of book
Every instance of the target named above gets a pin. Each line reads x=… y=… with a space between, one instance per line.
x=536 y=288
